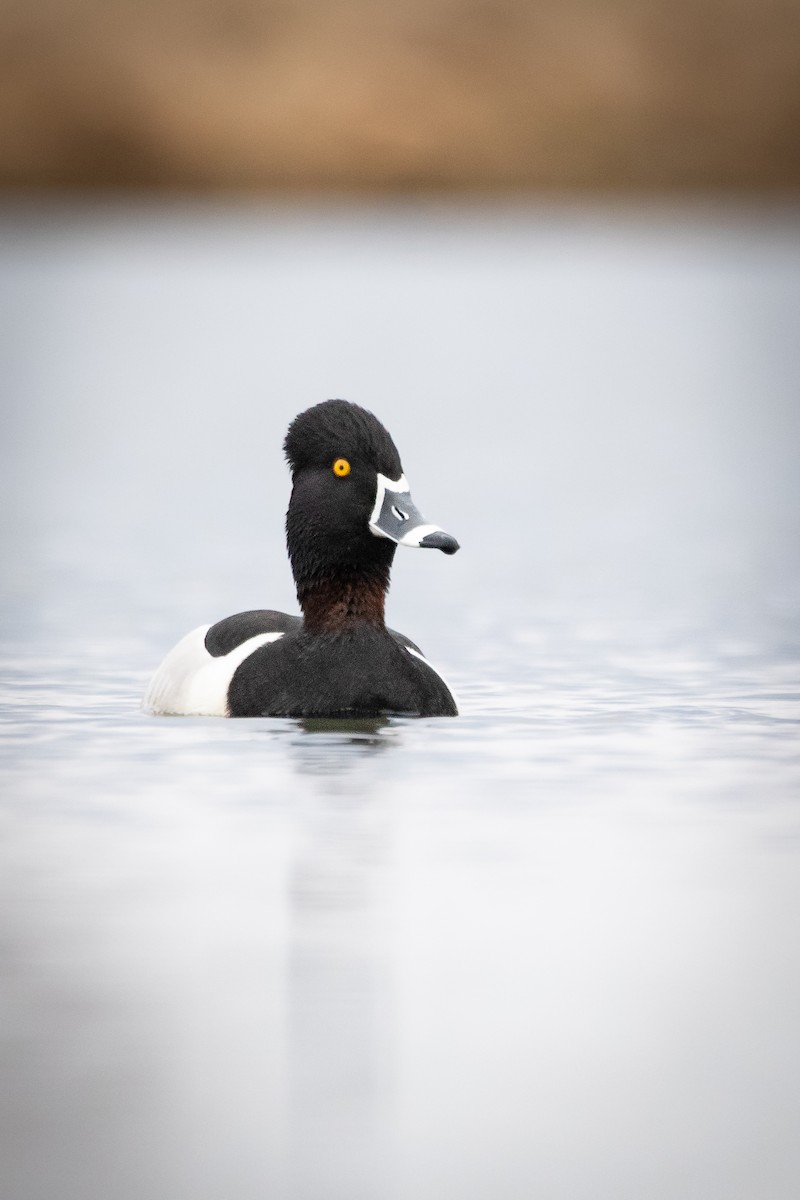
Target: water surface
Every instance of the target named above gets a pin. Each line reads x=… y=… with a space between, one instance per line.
x=546 y=949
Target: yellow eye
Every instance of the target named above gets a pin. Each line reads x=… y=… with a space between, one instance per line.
x=341 y=467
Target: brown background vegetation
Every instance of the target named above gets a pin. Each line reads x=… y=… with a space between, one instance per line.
x=371 y=95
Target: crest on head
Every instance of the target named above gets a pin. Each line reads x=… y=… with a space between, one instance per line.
x=337 y=429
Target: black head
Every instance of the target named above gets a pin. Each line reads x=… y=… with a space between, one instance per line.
x=336 y=451
x=350 y=504
x=337 y=428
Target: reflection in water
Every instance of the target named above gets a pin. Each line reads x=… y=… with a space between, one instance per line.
x=319 y=751
x=340 y=1030
x=363 y=730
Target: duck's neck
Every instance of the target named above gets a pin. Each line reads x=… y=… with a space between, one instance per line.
x=333 y=605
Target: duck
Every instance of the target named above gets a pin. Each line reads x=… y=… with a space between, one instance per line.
x=350 y=508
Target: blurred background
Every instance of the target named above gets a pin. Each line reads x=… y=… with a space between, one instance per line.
x=374 y=96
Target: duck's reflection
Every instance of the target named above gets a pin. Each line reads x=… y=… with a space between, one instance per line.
x=332 y=747
x=360 y=729
x=338 y=1011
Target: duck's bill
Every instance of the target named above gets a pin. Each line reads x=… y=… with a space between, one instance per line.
x=396 y=516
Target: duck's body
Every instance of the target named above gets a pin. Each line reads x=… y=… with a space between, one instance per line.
x=349 y=509
x=229 y=670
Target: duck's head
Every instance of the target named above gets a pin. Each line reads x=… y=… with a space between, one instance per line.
x=351 y=505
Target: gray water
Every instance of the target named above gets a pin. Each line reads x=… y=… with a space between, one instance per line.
x=546 y=949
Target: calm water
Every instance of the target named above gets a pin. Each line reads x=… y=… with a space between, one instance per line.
x=548 y=949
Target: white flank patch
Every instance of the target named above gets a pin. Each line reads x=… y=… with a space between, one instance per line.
x=193 y=683
x=422 y=658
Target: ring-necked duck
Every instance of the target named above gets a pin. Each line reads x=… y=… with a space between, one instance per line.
x=349 y=510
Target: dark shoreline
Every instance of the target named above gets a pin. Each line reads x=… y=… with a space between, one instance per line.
x=366 y=98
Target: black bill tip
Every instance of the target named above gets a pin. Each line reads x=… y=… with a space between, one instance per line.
x=440 y=541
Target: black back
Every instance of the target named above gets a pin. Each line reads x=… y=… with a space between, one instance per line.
x=354 y=673
x=229 y=633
